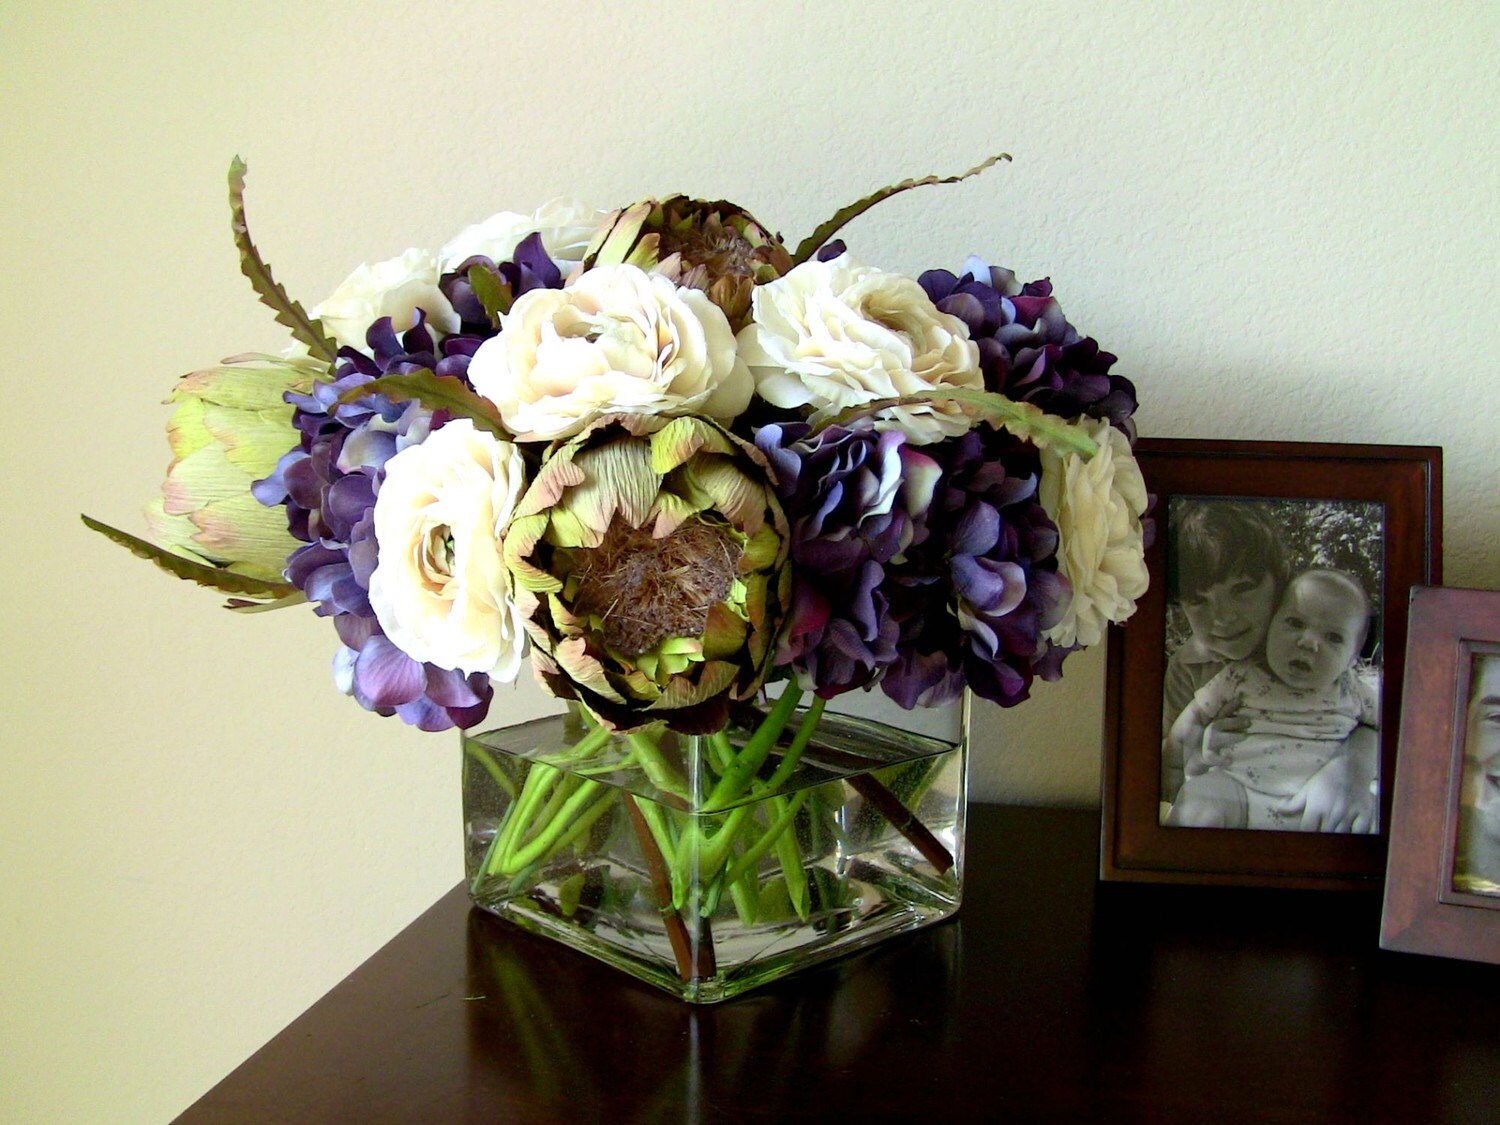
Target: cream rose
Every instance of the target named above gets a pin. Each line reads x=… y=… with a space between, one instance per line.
x=1097 y=505
x=566 y=227
x=440 y=589
x=395 y=288
x=836 y=334
x=617 y=339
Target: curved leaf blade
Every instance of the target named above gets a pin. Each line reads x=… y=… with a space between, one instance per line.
x=436 y=392
x=811 y=244
x=1020 y=418
x=214 y=577
x=288 y=312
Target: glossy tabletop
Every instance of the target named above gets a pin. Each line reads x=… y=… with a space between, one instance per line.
x=1049 y=996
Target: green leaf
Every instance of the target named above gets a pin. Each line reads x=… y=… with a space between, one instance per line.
x=436 y=392
x=240 y=605
x=491 y=292
x=1020 y=418
x=288 y=312
x=813 y=242
x=215 y=577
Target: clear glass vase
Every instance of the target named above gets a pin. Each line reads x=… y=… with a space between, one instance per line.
x=710 y=864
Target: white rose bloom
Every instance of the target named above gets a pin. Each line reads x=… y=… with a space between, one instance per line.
x=617 y=339
x=395 y=288
x=836 y=334
x=566 y=227
x=440 y=589
x=1097 y=505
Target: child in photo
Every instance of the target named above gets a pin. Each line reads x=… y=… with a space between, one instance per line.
x=1229 y=568
x=1477 y=865
x=1290 y=743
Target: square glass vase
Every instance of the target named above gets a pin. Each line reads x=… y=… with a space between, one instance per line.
x=710 y=864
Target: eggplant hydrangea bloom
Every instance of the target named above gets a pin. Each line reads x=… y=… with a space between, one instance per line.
x=974 y=598
x=857 y=501
x=328 y=485
x=1027 y=349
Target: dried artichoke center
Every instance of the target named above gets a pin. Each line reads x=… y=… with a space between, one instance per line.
x=722 y=249
x=646 y=590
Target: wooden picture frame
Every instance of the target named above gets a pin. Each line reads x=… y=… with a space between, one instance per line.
x=1388 y=499
x=1439 y=899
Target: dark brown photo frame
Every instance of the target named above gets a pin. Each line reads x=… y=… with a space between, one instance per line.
x=1134 y=846
x=1424 y=912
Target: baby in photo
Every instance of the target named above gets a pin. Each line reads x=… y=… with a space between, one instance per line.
x=1290 y=743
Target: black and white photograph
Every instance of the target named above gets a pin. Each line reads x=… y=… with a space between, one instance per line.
x=1271 y=695
x=1476 y=863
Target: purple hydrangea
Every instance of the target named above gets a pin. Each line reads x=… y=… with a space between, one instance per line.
x=328 y=484
x=1027 y=349
x=531 y=268
x=856 y=501
x=973 y=599
x=920 y=569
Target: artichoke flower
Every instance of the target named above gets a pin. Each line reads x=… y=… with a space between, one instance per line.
x=649 y=561
x=229 y=427
x=717 y=247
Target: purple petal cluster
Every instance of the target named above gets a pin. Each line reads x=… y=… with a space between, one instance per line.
x=856 y=501
x=973 y=599
x=328 y=485
x=922 y=570
x=1027 y=349
x=531 y=268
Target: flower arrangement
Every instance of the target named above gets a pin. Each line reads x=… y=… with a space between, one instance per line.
x=785 y=463
x=672 y=460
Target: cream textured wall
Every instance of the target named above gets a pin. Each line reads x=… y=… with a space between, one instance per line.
x=1280 y=215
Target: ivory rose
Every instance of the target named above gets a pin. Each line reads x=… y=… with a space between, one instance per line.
x=836 y=334
x=1097 y=506
x=396 y=288
x=566 y=226
x=440 y=590
x=616 y=340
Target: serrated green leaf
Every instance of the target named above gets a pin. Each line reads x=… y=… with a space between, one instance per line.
x=1020 y=418
x=240 y=605
x=491 y=292
x=288 y=312
x=813 y=242
x=214 y=577
x=436 y=392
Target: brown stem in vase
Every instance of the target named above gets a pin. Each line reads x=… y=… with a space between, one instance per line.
x=694 y=953
x=902 y=820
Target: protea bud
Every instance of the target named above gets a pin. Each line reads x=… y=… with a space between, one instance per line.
x=717 y=247
x=649 y=561
x=230 y=427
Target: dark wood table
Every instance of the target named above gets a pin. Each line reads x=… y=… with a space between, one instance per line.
x=1050 y=996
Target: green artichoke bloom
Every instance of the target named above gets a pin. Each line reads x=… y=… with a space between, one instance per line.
x=650 y=564
x=229 y=428
x=717 y=247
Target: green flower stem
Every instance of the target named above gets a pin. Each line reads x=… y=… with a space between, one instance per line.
x=657 y=771
x=790 y=858
x=539 y=821
x=745 y=891
x=564 y=826
x=491 y=767
x=753 y=854
x=805 y=730
x=736 y=779
x=587 y=746
x=661 y=831
x=693 y=952
x=713 y=858
x=538 y=784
